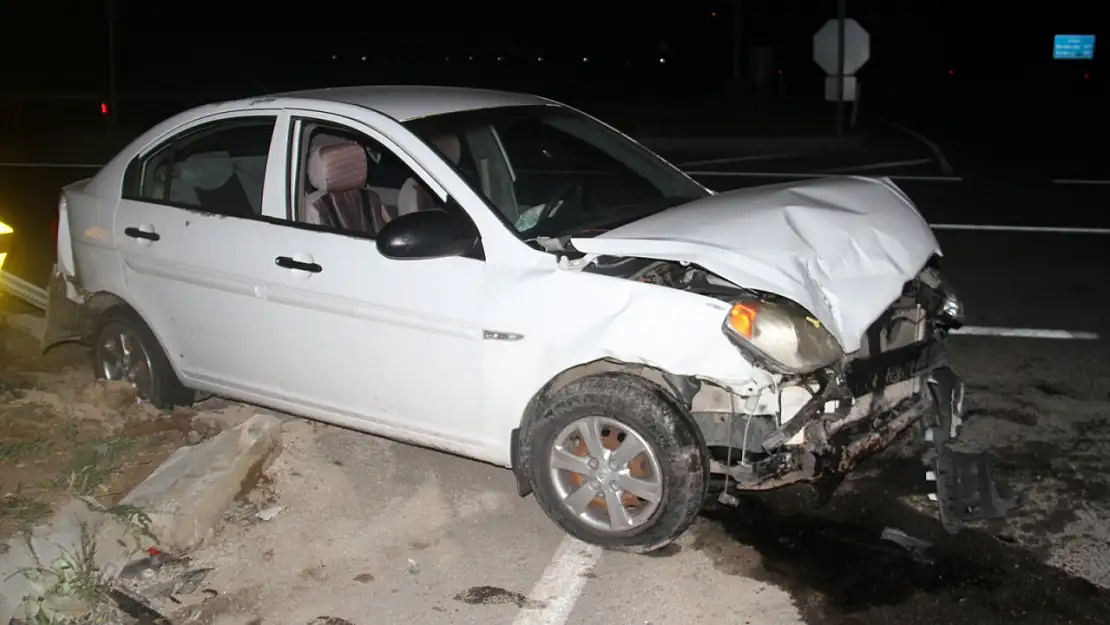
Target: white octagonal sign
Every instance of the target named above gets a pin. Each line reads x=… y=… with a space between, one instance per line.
x=857 y=47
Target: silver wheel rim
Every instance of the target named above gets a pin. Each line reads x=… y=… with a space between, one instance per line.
x=123 y=358
x=606 y=474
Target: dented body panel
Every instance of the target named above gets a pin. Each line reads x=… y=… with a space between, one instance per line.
x=840 y=247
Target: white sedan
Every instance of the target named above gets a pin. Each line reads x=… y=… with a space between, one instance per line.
x=504 y=277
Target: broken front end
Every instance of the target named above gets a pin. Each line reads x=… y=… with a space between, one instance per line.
x=818 y=426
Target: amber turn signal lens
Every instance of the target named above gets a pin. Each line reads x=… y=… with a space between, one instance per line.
x=742 y=319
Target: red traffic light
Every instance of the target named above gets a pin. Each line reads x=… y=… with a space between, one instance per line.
x=103 y=108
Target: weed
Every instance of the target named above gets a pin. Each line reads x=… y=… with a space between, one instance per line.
x=93 y=463
x=72 y=589
x=25 y=511
x=13 y=451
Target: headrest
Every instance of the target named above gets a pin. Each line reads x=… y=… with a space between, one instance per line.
x=208 y=171
x=337 y=167
x=450 y=146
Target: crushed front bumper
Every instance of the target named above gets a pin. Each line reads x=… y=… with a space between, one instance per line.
x=822 y=446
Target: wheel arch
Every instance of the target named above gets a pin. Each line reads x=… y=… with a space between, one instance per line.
x=680 y=390
x=99 y=303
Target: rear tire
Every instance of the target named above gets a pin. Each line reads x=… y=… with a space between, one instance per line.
x=124 y=348
x=672 y=468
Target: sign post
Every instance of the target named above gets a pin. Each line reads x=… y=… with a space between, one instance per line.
x=841 y=47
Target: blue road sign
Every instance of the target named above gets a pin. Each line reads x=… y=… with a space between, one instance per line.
x=1074 y=47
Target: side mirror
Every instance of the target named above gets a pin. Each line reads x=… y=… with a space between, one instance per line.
x=426 y=234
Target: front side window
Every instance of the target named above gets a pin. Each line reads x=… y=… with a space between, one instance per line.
x=347 y=182
x=217 y=168
x=550 y=171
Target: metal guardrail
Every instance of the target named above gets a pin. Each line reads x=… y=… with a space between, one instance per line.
x=24 y=290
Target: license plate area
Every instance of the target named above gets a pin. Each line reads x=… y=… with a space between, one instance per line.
x=868 y=375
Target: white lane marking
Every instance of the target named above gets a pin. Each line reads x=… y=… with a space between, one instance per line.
x=1027 y=333
x=738 y=159
x=994 y=228
x=1090 y=181
x=783 y=174
x=50 y=165
x=905 y=163
x=945 y=166
x=561 y=585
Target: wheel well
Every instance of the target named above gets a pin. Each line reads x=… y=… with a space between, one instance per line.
x=680 y=388
x=95 y=306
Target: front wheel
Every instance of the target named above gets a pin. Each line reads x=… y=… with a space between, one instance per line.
x=614 y=462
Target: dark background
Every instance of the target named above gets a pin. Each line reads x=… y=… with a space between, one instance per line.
x=937 y=62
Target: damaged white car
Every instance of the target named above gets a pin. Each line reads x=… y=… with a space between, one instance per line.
x=506 y=278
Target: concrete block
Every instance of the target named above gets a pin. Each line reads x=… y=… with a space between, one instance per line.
x=185 y=499
x=188 y=495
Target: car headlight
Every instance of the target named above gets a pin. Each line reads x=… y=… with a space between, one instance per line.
x=788 y=338
x=946 y=304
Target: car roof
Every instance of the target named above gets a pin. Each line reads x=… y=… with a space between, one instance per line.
x=408 y=102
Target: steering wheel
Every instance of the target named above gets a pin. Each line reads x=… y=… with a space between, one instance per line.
x=560 y=197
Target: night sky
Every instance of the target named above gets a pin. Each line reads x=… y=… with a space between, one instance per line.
x=61 y=46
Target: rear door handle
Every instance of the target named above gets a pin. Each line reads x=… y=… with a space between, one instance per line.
x=135 y=233
x=289 y=263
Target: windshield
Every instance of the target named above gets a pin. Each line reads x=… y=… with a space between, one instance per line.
x=551 y=171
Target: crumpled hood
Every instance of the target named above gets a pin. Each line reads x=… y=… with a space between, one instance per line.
x=841 y=247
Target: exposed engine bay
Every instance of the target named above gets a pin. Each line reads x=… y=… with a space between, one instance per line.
x=666 y=273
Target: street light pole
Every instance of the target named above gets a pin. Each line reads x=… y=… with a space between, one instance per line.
x=841 y=17
x=111 y=64
x=737 y=41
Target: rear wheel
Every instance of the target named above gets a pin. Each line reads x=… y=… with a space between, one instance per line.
x=614 y=462
x=126 y=350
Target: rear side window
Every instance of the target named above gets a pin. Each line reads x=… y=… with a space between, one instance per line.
x=217 y=168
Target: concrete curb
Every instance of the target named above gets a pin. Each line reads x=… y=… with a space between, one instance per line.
x=184 y=499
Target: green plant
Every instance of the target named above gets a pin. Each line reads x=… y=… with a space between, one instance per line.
x=25 y=511
x=93 y=463
x=71 y=590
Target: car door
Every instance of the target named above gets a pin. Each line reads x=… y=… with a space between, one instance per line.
x=190 y=230
x=395 y=343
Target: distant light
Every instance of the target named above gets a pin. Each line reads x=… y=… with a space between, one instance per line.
x=103 y=108
x=951 y=72
x=662 y=60
x=364 y=57
x=500 y=57
x=335 y=57
x=1086 y=76
x=713 y=14
x=585 y=59
x=540 y=59
x=780 y=72
x=471 y=58
x=448 y=59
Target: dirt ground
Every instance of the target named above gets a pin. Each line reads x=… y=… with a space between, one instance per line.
x=64 y=434
x=359 y=521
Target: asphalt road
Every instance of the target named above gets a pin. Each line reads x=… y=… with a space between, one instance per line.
x=485 y=556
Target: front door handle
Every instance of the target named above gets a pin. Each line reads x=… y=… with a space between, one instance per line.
x=289 y=263
x=135 y=233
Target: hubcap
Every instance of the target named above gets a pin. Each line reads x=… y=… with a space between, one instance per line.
x=123 y=358
x=606 y=474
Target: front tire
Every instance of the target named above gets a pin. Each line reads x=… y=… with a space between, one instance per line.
x=125 y=349
x=614 y=462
